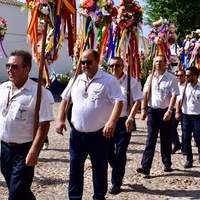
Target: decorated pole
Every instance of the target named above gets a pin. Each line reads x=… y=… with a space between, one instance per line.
x=40 y=76
x=161 y=36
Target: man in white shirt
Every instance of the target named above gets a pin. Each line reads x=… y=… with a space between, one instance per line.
x=162 y=98
x=190 y=101
x=119 y=143
x=97 y=104
x=20 y=144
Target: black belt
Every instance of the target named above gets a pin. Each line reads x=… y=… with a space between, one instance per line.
x=158 y=109
x=13 y=144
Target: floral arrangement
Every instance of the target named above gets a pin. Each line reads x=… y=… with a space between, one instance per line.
x=162 y=30
x=190 y=52
x=161 y=36
x=129 y=15
x=3 y=28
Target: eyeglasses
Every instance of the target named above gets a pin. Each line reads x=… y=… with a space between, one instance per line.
x=181 y=75
x=188 y=75
x=12 y=66
x=115 y=65
x=87 y=62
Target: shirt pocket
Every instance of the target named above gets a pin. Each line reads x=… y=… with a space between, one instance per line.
x=21 y=114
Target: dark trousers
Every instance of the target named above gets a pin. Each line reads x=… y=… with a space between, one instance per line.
x=96 y=146
x=155 y=124
x=191 y=124
x=117 y=151
x=175 y=136
x=18 y=176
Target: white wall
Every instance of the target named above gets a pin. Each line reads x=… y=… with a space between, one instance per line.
x=15 y=38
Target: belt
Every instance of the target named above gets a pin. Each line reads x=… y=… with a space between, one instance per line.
x=159 y=109
x=11 y=144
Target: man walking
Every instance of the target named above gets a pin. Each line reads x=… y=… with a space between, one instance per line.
x=119 y=143
x=97 y=104
x=163 y=92
x=20 y=145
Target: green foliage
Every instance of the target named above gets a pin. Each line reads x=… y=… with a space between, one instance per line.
x=63 y=78
x=147 y=65
x=184 y=14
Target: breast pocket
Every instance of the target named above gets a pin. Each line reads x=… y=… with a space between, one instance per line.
x=21 y=114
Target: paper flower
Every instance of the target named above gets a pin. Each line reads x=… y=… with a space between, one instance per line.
x=3 y=28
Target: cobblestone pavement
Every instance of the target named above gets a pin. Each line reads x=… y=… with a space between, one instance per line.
x=51 y=174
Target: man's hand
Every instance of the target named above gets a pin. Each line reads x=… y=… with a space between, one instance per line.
x=167 y=116
x=129 y=125
x=108 y=130
x=60 y=125
x=31 y=159
x=143 y=114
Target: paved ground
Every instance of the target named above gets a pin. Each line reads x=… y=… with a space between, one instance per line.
x=51 y=176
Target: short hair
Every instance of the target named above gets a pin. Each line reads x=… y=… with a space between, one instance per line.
x=194 y=70
x=25 y=55
x=118 y=58
x=181 y=70
x=160 y=55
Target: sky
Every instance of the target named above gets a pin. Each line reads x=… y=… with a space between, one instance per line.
x=117 y=2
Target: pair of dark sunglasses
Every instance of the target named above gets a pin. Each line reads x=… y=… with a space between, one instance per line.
x=115 y=65
x=87 y=62
x=12 y=66
x=179 y=75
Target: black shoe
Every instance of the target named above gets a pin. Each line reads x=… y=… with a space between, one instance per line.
x=115 y=189
x=175 y=149
x=168 y=169
x=143 y=171
x=188 y=164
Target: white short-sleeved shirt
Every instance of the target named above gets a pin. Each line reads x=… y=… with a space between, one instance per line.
x=135 y=92
x=91 y=113
x=191 y=100
x=161 y=90
x=18 y=125
x=51 y=98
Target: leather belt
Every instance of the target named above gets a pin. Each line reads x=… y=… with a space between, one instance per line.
x=11 y=144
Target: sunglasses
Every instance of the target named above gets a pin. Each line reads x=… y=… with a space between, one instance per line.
x=12 y=66
x=188 y=75
x=87 y=62
x=115 y=65
x=179 y=75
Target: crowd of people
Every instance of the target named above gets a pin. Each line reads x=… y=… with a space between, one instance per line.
x=101 y=109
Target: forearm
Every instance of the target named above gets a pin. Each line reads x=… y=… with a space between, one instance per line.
x=61 y=110
x=172 y=103
x=40 y=136
x=134 y=109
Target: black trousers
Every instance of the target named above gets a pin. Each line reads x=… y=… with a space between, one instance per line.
x=155 y=124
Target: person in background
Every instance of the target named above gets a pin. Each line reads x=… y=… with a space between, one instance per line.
x=52 y=101
x=20 y=143
x=119 y=143
x=180 y=76
x=162 y=98
x=97 y=104
x=189 y=101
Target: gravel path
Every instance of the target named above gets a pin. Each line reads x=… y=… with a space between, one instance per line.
x=51 y=174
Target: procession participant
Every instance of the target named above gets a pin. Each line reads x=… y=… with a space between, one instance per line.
x=97 y=104
x=190 y=100
x=164 y=89
x=20 y=146
x=119 y=143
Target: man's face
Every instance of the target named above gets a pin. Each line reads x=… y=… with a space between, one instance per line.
x=190 y=77
x=116 y=67
x=180 y=77
x=17 y=73
x=159 y=63
x=89 y=64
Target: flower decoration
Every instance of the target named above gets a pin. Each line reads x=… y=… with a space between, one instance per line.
x=129 y=15
x=3 y=28
x=163 y=30
x=88 y=7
